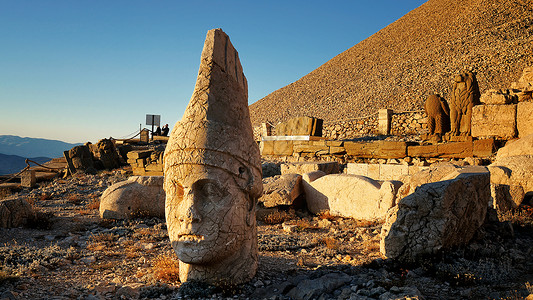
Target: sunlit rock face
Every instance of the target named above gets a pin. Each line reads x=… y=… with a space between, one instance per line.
x=213 y=173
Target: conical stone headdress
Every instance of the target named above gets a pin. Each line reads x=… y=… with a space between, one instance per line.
x=215 y=129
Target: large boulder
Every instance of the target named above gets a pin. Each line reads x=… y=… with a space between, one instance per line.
x=511 y=179
x=350 y=196
x=522 y=146
x=135 y=197
x=14 y=212
x=281 y=190
x=432 y=174
x=436 y=216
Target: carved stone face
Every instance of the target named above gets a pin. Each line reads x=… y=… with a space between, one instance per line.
x=211 y=211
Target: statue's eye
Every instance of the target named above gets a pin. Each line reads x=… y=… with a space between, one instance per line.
x=209 y=189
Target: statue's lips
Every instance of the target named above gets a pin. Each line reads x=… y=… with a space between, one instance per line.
x=190 y=238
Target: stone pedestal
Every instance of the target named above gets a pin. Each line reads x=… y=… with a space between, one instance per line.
x=27 y=179
x=384 y=121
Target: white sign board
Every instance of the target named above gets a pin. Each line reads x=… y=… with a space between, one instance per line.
x=153 y=120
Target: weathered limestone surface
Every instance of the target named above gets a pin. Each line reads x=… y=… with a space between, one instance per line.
x=511 y=179
x=82 y=159
x=436 y=216
x=342 y=195
x=300 y=126
x=524 y=119
x=139 y=196
x=522 y=146
x=108 y=154
x=330 y=167
x=281 y=190
x=28 y=179
x=494 y=97
x=494 y=121
x=212 y=173
x=379 y=149
x=432 y=173
x=14 y=212
x=526 y=80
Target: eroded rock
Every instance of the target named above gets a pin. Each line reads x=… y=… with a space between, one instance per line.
x=138 y=196
x=281 y=190
x=436 y=216
x=342 y=195
x=14 y=212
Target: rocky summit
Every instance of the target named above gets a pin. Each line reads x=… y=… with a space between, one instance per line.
x=399 y=66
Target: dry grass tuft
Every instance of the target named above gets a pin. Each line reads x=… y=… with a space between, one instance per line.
x=166 y=268
x=74 y=198
x=371 y=245
x=304 y=224
x=276 y=217
x=522 y=215
x=45 y=196
x=94 y=203
x=330 y=243
x=132 y=250
x=325 y=215
x=101 y=241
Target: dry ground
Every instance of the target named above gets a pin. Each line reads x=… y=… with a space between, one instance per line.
x=70 y=253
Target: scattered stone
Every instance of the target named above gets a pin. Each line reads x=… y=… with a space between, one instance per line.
x=313 y=288
x=14 y=212
x=139 y=196
x=281 y=190
x=437 y=216
x=340 y=194
x=306 y=167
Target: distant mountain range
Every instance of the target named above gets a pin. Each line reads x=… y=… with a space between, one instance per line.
x=10 y=164
x=32 y=147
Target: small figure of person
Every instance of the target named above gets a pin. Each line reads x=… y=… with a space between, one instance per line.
x=157 y=131
x=165 y=130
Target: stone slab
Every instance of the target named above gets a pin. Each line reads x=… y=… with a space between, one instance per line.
x=378 y=149
x=494 y=121
x=484 y=147
x=306 y=167
x=524 y=119
x=455 y=150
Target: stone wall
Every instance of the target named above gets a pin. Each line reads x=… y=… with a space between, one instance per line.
x=403 y=123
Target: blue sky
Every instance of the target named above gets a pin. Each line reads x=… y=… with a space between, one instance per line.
x=82 y=70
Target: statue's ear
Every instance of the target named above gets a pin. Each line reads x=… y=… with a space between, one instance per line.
x=250 y=214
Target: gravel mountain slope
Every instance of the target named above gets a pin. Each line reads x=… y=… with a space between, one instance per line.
x=418 y=54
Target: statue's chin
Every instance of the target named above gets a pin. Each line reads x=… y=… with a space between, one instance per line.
x=197 y=253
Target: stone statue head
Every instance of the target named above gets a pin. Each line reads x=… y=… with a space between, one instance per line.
x=212 y=173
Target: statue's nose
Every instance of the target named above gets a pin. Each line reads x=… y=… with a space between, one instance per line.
x=188 y=208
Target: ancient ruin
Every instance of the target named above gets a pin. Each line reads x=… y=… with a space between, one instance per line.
x=438 y=114
x=465 y=94
x=213 y=174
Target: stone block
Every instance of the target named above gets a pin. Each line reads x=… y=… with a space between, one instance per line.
x=455 y=150
x=392 y=172
x=283 y=148
x=309 y=148
x=341 y=195
x=306 y=167
x=384 y=121
x=28 y=179
x=494 y=121
x=423 y=151
x=154 y=167
x=14 y=212
x=379 y=149
x=484 y=147
x=139 y=154
x=374 y=171
x=334 y=143
x=337 y=150
x=495 y=98
x=357 y=169
x=281 y=190
x=300 y=126
x=267 y=147
x=437 y=216
x=524 y=118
